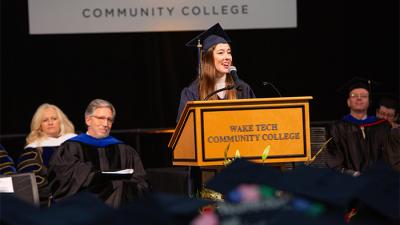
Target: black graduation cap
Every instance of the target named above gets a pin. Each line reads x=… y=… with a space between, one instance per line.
x=83 y=208
x=320 y=184
x=11 y=208
x=241 y=171
x=162 y=208
x=382 y=192
x=214 y=35
x=358 y=82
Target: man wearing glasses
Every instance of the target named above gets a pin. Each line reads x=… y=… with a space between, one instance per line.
x=359 y=140
x=97 y=162
x=388 y=109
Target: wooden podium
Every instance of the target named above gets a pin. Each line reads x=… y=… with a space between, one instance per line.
x=248 y=126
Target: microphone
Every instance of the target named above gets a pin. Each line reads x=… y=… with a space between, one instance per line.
x=265 y=83
x=233 y=73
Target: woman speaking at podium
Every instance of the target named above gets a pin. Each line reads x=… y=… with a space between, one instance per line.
x=217 y=78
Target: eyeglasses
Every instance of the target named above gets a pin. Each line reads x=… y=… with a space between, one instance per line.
x=385 y=114
x=109 y=119
x=355 y=95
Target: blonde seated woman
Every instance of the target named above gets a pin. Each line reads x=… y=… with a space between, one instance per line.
x=50 y=127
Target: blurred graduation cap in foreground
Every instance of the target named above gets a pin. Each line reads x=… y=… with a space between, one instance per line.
x=242 y=171
x=322 y=184
x=83 y=208
x=319 y=184
x=204 y=41
x=382 y=192
x=161 y=208
x=377 y=189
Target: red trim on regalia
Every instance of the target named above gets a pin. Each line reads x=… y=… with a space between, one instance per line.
x=373 y=123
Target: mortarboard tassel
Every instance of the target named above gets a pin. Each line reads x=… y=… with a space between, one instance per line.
x=199 y=58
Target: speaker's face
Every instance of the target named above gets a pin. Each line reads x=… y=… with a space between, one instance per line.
x=222 y=58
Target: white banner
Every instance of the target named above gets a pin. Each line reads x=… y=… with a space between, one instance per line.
x=99 y=16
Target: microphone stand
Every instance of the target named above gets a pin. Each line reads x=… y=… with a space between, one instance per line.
x=219 y=90
x=273 y=87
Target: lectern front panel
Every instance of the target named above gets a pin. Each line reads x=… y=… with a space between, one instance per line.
x=248 y=126
x=248 y=131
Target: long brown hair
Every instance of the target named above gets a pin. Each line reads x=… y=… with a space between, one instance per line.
x=208 y=77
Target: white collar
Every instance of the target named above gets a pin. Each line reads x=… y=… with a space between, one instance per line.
x=50 y=141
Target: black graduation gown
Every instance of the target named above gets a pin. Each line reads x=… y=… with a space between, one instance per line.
x=35 y=160
x=191 y=93
x=350 y=151
x=77 y=166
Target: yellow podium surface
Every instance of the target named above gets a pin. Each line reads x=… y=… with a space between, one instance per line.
x=248 y=126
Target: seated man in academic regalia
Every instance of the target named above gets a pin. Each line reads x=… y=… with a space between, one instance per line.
x=360 y=140
x=388 y=109
x=84 y=162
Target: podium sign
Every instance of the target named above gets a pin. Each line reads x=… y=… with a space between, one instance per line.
x=248 y=126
